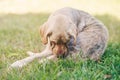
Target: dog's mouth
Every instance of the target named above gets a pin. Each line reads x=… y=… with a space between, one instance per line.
x=62 y=55
x=59 y=49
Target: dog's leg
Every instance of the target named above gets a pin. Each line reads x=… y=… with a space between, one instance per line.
x=30 y=53
x=25 y=61
x=51 y=57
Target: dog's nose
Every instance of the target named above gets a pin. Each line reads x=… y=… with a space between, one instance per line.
x=60 y=51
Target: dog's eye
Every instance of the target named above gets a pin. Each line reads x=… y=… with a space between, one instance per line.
x=52 y=43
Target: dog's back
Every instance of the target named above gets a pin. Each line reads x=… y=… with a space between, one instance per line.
x=92 y=34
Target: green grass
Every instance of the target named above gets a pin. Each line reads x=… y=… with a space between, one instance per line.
x=19 y=34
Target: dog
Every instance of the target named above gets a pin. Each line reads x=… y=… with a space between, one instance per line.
x=69 y=32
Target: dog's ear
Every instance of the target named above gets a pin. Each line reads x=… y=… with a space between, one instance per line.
x=44 y=33
x=72 y=31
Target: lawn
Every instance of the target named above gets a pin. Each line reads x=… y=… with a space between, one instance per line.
x=19 y=33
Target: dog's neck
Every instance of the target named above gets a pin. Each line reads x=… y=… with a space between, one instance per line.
x=73 y=48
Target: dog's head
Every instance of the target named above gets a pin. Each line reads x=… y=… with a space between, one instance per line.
x=59 y=29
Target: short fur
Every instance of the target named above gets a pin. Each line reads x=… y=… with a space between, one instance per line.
x=68 y=32
x=79 y=30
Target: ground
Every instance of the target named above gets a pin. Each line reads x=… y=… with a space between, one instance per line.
x=19 y=33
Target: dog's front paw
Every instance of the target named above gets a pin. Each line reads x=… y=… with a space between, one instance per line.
x=18 y=64
x=30 y=53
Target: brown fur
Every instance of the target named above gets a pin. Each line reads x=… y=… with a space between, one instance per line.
x=58 y=29
x=67 y=32
x=90 y=35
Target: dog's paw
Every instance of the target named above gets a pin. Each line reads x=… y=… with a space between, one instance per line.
x=18 y=64
x=30 y=53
